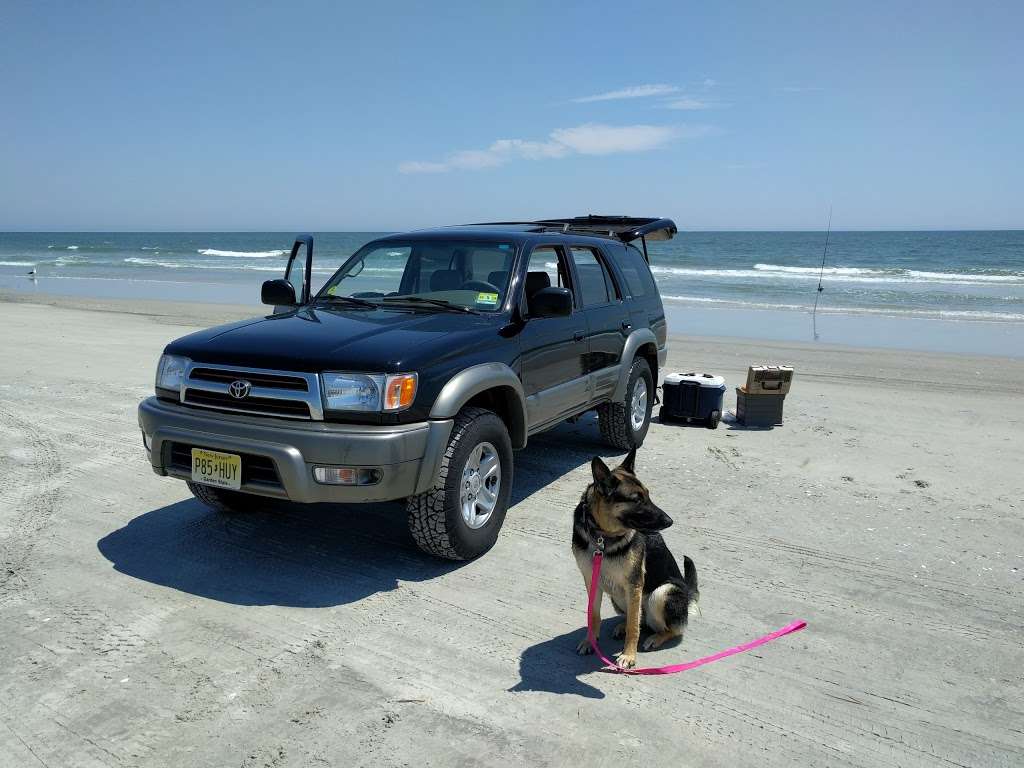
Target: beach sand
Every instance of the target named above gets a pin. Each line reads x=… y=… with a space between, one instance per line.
x=138 y=628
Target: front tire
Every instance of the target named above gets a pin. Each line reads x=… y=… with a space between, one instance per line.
x=460 y=517
x=222 y=500
x=624 y=424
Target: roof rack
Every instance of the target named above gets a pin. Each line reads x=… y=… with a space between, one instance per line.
x=624 y=228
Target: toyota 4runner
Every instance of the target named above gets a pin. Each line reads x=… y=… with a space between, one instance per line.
x=415 y=372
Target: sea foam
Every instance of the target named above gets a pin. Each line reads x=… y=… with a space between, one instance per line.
x=240 y=254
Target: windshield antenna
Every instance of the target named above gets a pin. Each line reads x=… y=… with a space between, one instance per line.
x=821 y=273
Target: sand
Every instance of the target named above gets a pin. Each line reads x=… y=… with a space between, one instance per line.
x=138 y=628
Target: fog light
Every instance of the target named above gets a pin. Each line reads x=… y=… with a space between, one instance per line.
x=347 y=475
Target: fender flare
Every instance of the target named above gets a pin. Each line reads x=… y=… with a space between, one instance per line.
x=469 y=382
x=634 y=341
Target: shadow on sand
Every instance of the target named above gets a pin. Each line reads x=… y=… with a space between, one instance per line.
x=311 y=556
x=299 y=556
x=553 y=666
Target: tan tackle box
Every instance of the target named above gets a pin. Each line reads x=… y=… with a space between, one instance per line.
x=769 y=380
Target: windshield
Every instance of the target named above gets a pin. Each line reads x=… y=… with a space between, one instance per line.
x=464 y=274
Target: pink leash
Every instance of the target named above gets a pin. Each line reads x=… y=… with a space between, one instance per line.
x=796 y=626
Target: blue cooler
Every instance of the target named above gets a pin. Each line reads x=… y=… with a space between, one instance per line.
x=692 y=397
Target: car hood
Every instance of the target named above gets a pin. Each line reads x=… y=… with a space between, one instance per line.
x=317 y=339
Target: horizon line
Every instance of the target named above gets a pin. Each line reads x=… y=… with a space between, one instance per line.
x=415 y=229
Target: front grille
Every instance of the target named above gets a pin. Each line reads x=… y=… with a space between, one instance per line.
x=295 y=409
x=255 y=469
x=257 y=379
x=284 y=394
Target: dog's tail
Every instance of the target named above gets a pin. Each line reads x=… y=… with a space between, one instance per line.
x=690 y=578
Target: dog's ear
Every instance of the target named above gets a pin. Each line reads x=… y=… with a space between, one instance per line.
x=600 y=471
x=629 y=461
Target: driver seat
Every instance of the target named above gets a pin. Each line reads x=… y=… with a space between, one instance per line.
x=445 y=280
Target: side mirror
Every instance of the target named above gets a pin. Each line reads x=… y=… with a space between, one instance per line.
x=279 y=293
x=550 y=302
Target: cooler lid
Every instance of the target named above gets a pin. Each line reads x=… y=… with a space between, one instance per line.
x=700 y=378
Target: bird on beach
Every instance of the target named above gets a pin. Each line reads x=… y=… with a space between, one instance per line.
x=32 y=272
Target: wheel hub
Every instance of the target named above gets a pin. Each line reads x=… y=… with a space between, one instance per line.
x=481 y=481
x=638 y=405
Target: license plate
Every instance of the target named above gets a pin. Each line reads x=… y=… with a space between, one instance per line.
x=215 y=468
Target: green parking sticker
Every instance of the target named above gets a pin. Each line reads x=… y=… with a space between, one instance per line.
x=487 y=298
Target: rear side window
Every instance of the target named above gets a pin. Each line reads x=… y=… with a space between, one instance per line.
x=637 y=273
x=595 y=283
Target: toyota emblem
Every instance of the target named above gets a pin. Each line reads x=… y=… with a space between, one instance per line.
x=239 y=389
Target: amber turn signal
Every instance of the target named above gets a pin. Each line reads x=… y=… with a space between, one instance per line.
x=399 y=391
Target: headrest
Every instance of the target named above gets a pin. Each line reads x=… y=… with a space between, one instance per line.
x=445 y=280
x=535 y=281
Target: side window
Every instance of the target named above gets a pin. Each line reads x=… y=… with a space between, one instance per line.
x=545 y=269
x=596 y=286
x=637 y=273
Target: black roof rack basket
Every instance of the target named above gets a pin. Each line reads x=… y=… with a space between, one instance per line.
x=624 y=228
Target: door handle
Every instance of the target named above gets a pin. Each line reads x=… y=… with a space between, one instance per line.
x=626 y=325
x=578 y=336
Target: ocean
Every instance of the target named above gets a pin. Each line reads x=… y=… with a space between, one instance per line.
x=959 y=277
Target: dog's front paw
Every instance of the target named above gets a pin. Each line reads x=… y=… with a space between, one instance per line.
x=584 y=649
x=626 y=660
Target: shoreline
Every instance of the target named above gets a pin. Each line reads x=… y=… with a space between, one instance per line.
x=965 y=339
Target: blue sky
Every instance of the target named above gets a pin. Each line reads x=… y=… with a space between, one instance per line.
x=318 y=116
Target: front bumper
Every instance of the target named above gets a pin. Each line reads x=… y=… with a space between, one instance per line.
x=409 y=455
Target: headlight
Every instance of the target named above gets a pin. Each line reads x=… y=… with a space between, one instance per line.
x=170 y=371
x=369 y=391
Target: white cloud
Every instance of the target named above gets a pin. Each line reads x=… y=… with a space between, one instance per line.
x=686 y=103
x=587 y=139
x=416 y=166
x=633 y=92
x=709 y=83
x=595 y=139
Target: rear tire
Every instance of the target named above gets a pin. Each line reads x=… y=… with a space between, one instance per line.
x=222 y=500
x=714 y=419
x=460 y=517
x=624 y=424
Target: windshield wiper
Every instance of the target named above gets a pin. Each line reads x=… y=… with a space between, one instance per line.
x=349 y=300
x=441 y=303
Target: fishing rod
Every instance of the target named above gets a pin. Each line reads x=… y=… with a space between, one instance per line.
x=821 y=273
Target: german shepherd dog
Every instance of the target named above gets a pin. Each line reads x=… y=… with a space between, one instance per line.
x=638 y=573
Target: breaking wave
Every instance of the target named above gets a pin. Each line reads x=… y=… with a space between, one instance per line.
x=240 y=254
x=153 y=263
x=941 y=314
x=844 y=274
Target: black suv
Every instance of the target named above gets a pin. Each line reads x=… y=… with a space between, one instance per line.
x=416 y=370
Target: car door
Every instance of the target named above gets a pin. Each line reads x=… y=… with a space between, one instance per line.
x=606 y=315
x=553 y=349
x=299 y=271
